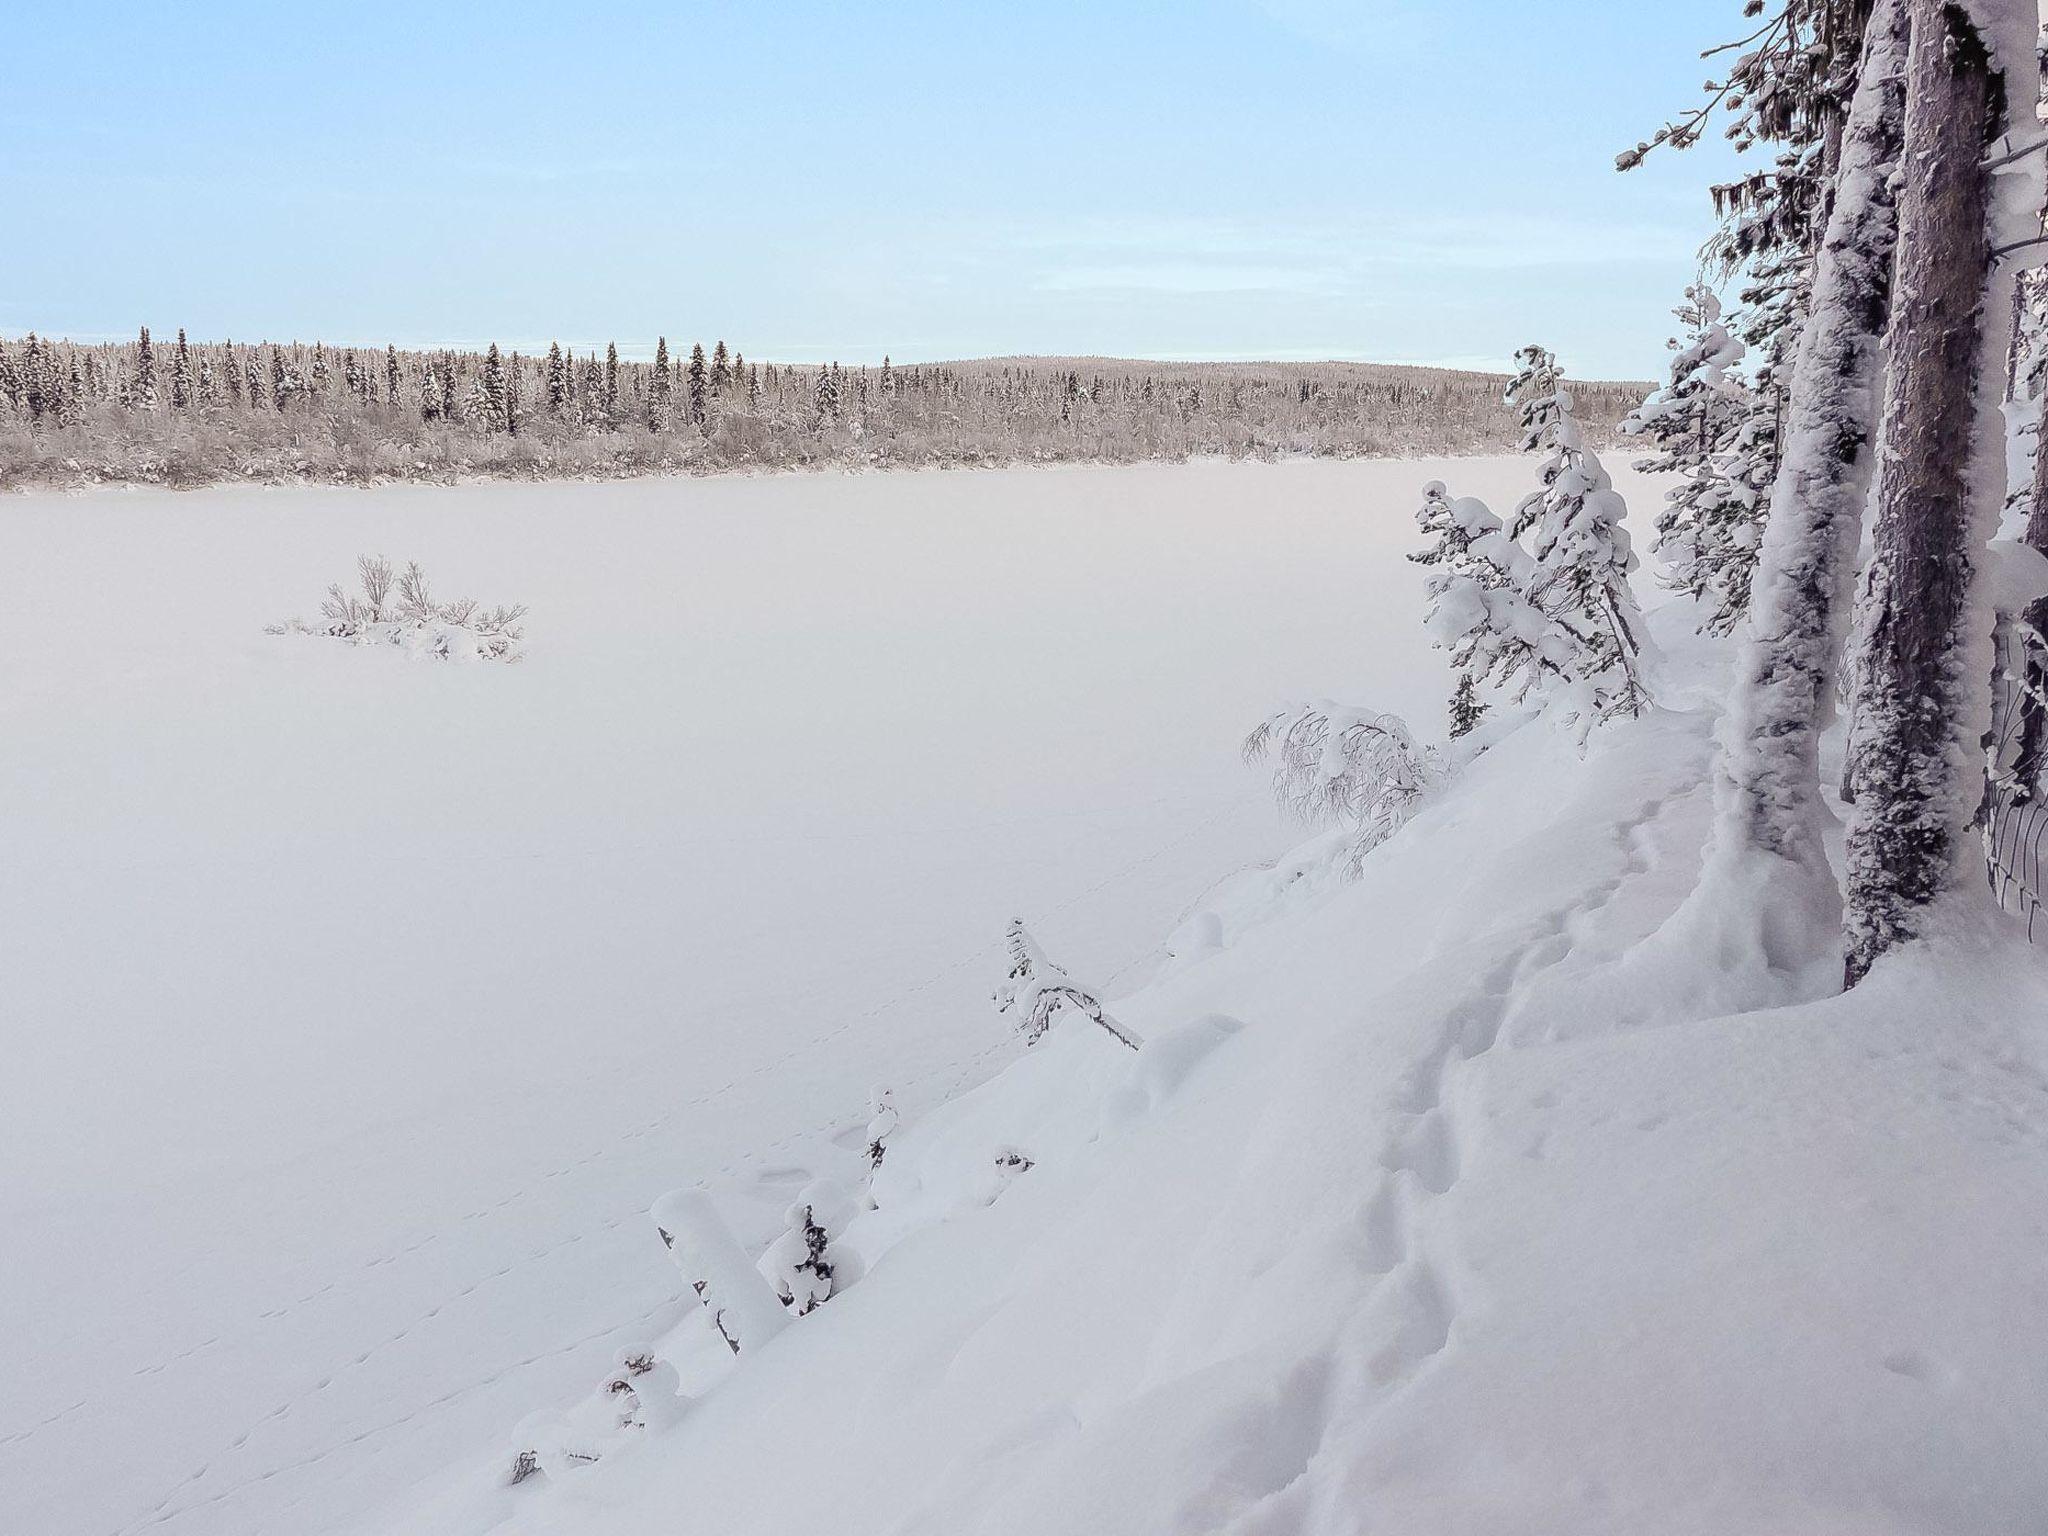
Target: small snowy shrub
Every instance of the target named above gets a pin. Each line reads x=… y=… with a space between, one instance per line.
x=1038 y=991
x=800 y=1264
x=400 y=610
x=1333 y=764
x=642 y=1393
x=882 y=1122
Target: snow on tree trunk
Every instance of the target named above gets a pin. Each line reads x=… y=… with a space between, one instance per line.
x=1768 y=869
x=743 y=1306
x=1922 y=701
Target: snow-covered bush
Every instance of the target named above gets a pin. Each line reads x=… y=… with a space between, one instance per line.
x=882 y=1122
x=1707 y=426
x=800 y=1264
x=1039 y=991
x=642 y=1393
x=1333 y=764
x=399 y=609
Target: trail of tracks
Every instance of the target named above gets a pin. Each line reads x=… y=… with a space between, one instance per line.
x=173 y=1506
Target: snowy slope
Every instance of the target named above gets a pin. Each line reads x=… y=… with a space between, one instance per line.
x=1464 y=1216
x=357 y=1008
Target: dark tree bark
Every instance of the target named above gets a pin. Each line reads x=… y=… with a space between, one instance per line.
x=1911 y=765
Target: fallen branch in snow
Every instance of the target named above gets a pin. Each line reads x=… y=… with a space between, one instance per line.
x=1039 y=991
x=400 y=610
x=744 y=1308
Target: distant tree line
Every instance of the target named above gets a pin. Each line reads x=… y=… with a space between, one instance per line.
x=182 y=412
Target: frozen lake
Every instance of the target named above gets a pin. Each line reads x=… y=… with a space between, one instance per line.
x=356 y=1007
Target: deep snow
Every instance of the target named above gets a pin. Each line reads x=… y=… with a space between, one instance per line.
x=371 y=1002
x=357 y=1006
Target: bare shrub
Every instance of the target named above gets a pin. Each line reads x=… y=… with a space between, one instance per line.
x=446 y=631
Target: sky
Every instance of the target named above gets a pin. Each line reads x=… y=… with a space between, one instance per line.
x=1423 y=181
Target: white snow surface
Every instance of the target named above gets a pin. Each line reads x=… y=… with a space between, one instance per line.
x=363 y=1007
x=357 y=1007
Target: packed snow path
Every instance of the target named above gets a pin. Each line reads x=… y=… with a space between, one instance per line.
x=359 y=1007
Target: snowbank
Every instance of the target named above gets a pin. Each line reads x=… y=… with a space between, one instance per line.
x=1432 y=1203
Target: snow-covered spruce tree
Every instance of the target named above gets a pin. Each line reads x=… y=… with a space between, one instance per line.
x=391 y=391
x=181 y=375
x=721 y=368
x=658 y=388
x=1768 y=867
x=1580 y=555
x=1036 y=991
x=492 y=404
x=430 y=395
x=1700 y=426
x=71 y=409
x=1482 y=608
x=557 y=388
x=611 y=385
x=1334 y=765
x=744 y=1309
x=1466 y=709
x=145 y=395
x=1921 y=703
x=695 y=374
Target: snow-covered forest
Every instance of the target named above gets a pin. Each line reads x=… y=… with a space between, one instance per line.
x=183 y=413
x=1347 y=986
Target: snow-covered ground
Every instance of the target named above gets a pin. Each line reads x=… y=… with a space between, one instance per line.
x=363 y=1005
x=356 y=1007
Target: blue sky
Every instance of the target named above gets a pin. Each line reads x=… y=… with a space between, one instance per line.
x=1391 y=180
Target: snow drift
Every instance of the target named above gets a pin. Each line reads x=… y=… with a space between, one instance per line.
x=1433 y=1201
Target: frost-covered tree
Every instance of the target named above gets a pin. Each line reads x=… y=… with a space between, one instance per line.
x=181 y=374
x=1036 y=991
x=1466 y=709
x=556 y=389
x=1768 y=861
x=1701 y=426
x=611 y=384
x=391 y=390
x=492 y=401
x=721 y=368
x=71 y=409
x=1580 y=552
x=1333 y=764
x=1558 y=616
x=1921 y=705
x=696 y=374
x=1477 y=607
x=659 y=386
x=430 y=395
x=144 y=395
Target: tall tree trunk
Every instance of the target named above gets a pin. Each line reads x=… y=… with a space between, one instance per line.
x=1768 y=863
x=2033 y=732
x=1922 y=701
